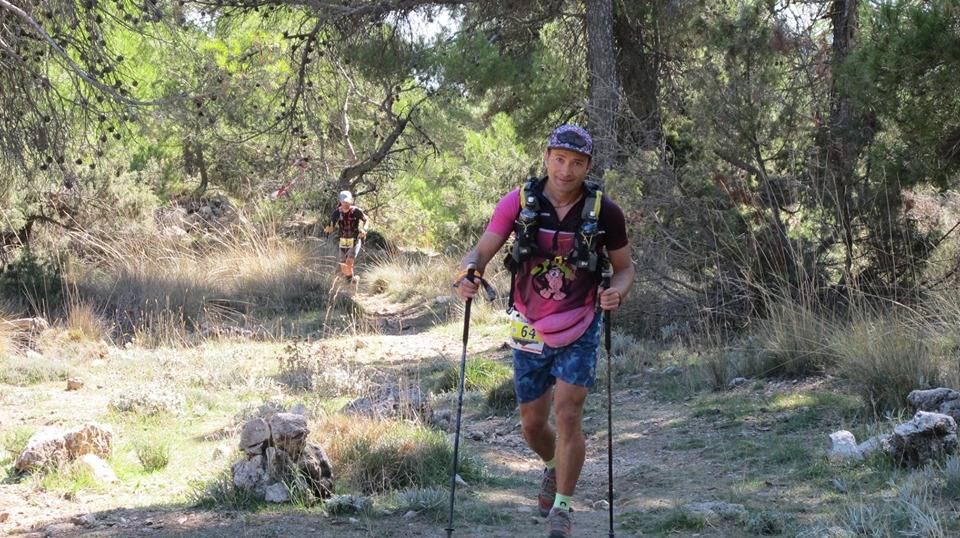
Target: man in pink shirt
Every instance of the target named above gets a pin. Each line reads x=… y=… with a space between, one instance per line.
x=555 y=328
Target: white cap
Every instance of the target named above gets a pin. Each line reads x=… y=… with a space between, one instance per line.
x=345 y=196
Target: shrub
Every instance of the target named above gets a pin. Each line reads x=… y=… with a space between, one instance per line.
x=318 y=368
x=15 y=440
x=34 y=280
x=153 y=454
x=340 y=505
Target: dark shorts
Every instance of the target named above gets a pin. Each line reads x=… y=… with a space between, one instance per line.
x=576 y=364
x=351 y=252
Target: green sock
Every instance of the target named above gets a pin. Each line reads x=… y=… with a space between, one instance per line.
x=562 y=502
x=552 y=464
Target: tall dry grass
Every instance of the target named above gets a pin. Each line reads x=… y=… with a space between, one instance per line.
x=84 y=322
x=884 y=349
x=163 y=287
x=886 y=357
x=794 y=339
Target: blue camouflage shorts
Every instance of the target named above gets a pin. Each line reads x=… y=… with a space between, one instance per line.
x=534 y=374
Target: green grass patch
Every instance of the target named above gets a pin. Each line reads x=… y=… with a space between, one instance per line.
x=789 y=452
x=732 y=406
x=71 y=479
x=482 y=375
x=678 y=519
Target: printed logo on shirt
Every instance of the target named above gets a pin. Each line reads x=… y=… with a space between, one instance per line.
x=552 y=277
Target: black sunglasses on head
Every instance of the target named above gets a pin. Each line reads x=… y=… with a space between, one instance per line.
x=572 y=138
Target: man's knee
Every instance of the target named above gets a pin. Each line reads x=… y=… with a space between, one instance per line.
x=534 y=420
x=569 y=410
x=568 y=417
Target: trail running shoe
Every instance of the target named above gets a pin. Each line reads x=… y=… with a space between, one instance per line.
x=548 y=491
x=559 y=524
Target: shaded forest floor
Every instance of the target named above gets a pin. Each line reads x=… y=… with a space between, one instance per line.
x=761 y=445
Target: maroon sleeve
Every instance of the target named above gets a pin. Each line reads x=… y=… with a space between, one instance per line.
x=613 y=223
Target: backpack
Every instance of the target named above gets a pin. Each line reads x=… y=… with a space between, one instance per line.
x=526 y=228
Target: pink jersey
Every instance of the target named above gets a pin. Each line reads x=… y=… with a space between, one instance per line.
x=558 y=299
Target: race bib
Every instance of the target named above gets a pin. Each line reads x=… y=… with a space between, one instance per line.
x=346 y=242
x=523 y=335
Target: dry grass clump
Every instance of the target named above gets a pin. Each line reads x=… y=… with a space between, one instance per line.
x=374 y=456
x=9 y=338
x=83 y=322
x=149 y=401
x=8 y=344
x=886 y=358
x=794 y=340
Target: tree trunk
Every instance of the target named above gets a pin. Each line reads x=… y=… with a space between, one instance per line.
x=202 y=166
x=603 y=87
x=847 y=129
x=640 y=76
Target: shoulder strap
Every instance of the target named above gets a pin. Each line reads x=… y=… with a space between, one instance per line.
x=528 y=194
x=591 y=206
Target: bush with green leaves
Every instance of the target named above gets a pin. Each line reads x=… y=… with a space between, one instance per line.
x=33 y=279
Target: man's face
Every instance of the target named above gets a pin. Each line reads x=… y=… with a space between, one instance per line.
x=344 y=205
x=566 y=169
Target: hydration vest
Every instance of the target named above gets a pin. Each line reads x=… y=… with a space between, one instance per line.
x=348 y=222
x=584 y=255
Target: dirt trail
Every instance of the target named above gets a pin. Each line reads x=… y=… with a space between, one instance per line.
x=649 y=475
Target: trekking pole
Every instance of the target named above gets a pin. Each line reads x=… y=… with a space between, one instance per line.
x=607 y=273
x=456 y=437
